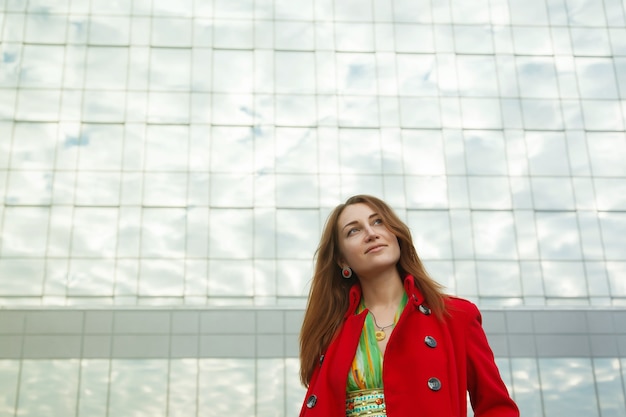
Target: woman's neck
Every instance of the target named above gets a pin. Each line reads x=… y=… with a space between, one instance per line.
x=383 y=291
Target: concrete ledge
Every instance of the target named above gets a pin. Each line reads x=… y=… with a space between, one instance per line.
x=273 y=333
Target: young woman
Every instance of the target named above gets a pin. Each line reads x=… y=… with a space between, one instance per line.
x=380 y=338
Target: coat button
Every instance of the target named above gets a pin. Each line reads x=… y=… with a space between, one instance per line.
x=321 y=359
x=424 y=310
x=312 y=400
x=434 y=384
x=430 y=341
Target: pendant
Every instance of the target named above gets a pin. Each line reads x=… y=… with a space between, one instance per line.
x=380 y=335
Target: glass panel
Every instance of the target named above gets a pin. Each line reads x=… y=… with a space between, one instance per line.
x=414 y=38
x=354 y=37
x=353 y=10
x=98 y=189
x=293 y=10
x=48 y=387
x=238 y=9
x=105 y=7
x=42 y=66
x=231 y=190
x=552 y=193
x=24 y=231
x=568 y=387
x=293 y=280
x=168 y=107
x=547 y=153
x=294 y=390
x=564 y=279
x=271 y=376
x=431 y=233
x=463 y=12
x=607 y=152
x=297 y=233
x=590 y=41
x=226 y=385
x=100 y=147
x=494 y=235
x=170 y=69
x=532 y=40
x=498 y=279
x=167 y=148
x=429 y=116
x=296 y=150
x=537 y=77
x=173 y=32
x=161 y=278
x=596 y=78
x=558 y=236
x=360 y=151
x=424 y=192
x=617 y=284
x=103 y=107
x=489 y=193
x=29 y=187
x=231 y=149
x=613 y=226
x=138 y=387
x=473 y=40
x=297 y=191
x=230 y=234
x=94 y=232
x=423 y=152
x=524 y=12
x=91 y=277
x=109 y=30
x=542 y=114
x=22 y=278
x=602 y=115
x=237 y=34
x=356 y=73
x=295 y=36
x=294 y=110
x=165 y=189
x=610 y=193
x=416 y=75
x=179 y=8
x=527 y=388
x=477 y=76
x=294 y=72
x=163 y=232
x=106 y=68
x=9 y=377
x=609 y=387
x=94 y=388
x=485 y=153
x=183 y=388
x=585 y=12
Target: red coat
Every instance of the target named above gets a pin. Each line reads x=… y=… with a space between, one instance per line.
x=421 y=377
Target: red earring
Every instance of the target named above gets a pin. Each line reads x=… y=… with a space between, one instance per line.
x=346 y=272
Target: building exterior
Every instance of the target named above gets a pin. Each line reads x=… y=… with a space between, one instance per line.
x=166 y=169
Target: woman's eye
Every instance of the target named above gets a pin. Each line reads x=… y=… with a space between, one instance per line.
x=352 y=231
x=378 y=221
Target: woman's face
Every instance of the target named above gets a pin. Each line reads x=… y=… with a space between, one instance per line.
x=366 y=244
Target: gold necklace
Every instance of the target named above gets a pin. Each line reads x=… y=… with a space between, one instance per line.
x=380 y=333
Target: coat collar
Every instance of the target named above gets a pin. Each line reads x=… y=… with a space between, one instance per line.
x=414 y=294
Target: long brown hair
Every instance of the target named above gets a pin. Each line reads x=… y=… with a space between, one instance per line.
x=328 y=296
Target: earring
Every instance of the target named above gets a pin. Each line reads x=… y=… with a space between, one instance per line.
x=346 y=272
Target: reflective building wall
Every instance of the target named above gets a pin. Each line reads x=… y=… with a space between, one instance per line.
x=166 y=169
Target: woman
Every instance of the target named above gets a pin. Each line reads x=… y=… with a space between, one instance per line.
x=380 y=338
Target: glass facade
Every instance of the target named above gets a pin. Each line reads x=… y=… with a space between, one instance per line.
x=161 y=157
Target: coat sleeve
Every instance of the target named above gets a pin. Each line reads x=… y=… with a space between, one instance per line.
x=488 y=394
